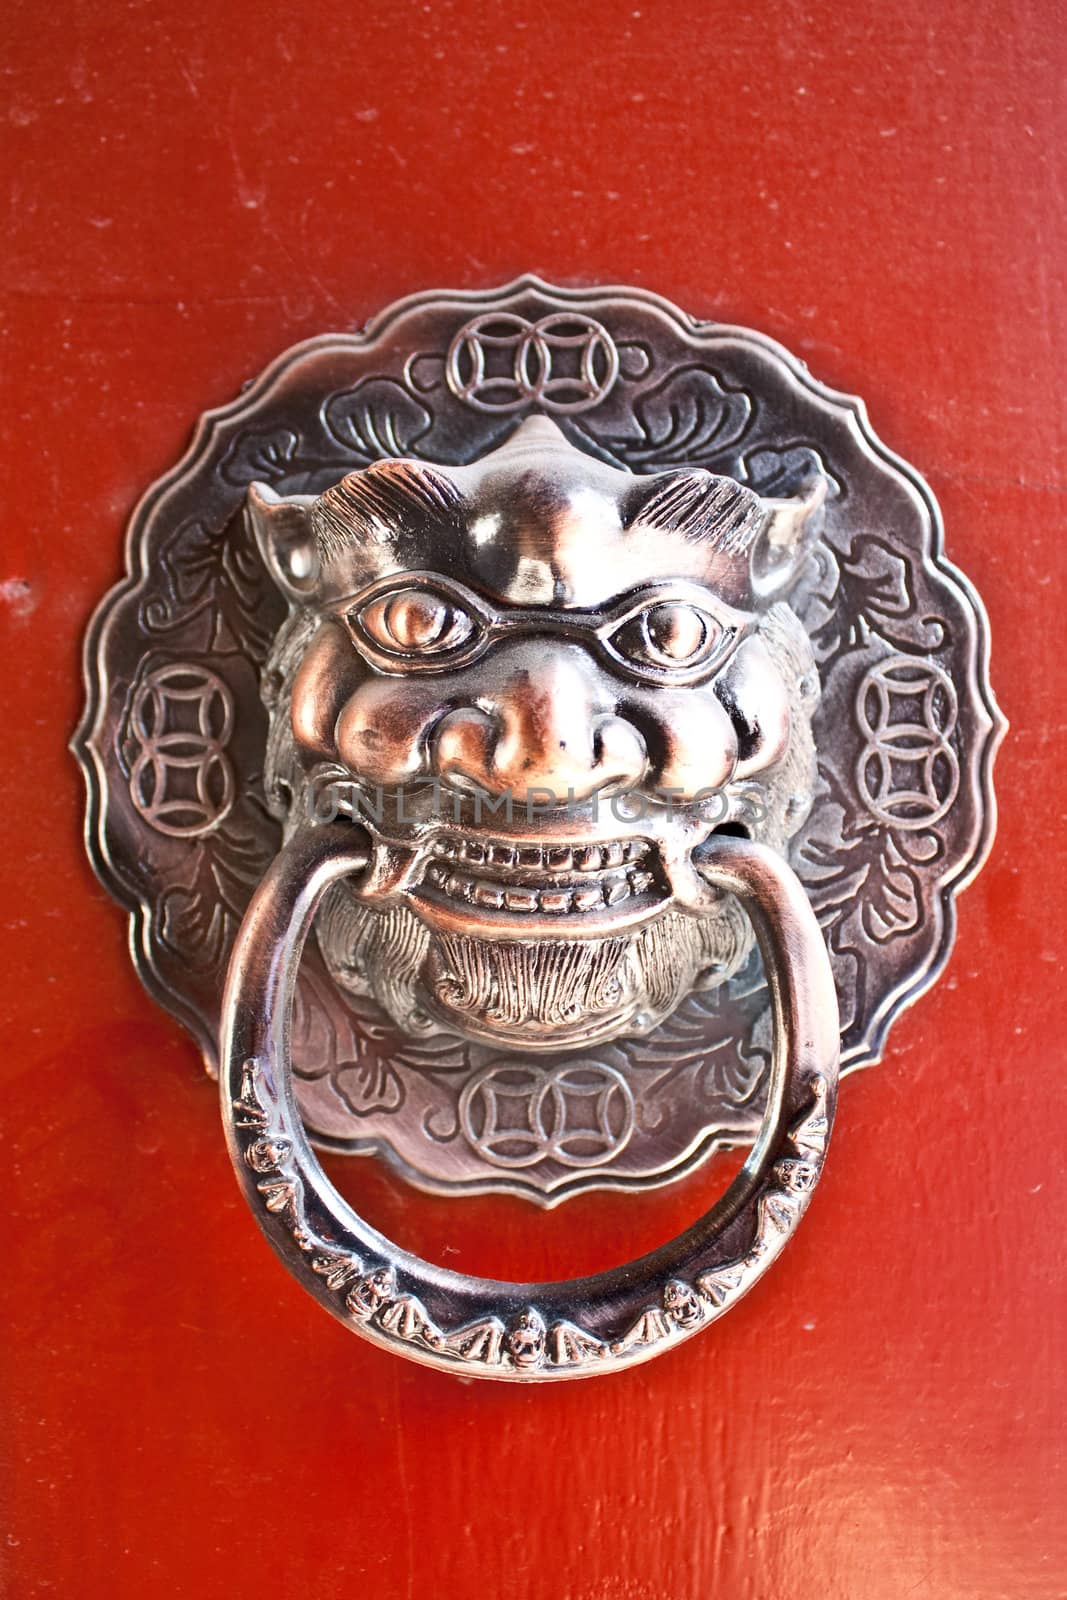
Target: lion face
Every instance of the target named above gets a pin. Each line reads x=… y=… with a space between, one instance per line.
x=539 y=683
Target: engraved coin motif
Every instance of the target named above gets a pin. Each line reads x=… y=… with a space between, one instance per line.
x=579 y=1114
x=182 y=782
x=908 y=773
x=500 y=362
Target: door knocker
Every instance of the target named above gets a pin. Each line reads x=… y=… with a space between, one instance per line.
x=539 y=740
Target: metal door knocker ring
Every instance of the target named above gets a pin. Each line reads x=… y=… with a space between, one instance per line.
x=509 y=1330
x=559 y=720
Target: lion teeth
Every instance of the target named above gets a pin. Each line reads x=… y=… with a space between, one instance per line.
x=553 y=857
x=616 y=864
x=524 y=898
x=555 y=899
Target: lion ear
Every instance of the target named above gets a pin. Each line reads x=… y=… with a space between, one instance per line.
x=790 y=528
x=286 y=539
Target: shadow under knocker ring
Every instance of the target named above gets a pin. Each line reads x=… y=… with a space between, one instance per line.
x=506 y=1330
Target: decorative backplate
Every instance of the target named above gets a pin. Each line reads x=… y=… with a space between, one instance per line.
x=172 y=742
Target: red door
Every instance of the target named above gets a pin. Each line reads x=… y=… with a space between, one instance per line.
x=191 y=189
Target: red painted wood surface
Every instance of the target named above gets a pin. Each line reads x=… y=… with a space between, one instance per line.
x=190 y=188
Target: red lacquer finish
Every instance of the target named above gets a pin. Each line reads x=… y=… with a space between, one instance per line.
x=192 y=188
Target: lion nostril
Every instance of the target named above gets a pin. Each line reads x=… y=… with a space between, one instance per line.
x=734 y=830
x=620 y=754
x=461 y=748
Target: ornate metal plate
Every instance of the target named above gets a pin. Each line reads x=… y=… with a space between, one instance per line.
x=173 y=736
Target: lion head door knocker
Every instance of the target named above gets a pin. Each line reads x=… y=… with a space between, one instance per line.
x=539 y=740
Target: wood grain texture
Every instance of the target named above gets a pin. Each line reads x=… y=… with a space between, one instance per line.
x=189 y=190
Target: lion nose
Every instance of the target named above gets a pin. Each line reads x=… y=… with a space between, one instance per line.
x=545 y=727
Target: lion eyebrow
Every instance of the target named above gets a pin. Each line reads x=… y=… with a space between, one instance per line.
x=713 y=510
x=398 y=496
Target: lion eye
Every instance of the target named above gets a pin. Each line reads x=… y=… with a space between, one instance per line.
x=670 y=635
x=413 y=622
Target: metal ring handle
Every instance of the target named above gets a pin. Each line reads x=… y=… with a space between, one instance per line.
x=493 y=1329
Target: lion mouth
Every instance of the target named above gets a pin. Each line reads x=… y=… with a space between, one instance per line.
x=536 y=945
x=549 y=880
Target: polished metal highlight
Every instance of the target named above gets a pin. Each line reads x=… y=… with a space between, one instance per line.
x=538 y=539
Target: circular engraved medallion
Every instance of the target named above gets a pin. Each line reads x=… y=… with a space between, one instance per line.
x=502 y=362
x=908 y=773
x=181 y=720
x=174 y=735
x=577 y=1113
